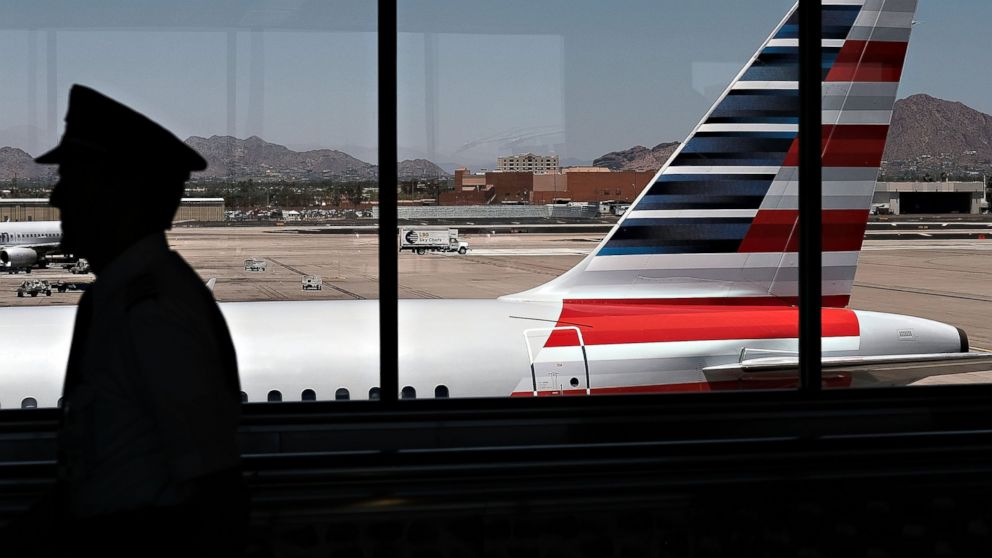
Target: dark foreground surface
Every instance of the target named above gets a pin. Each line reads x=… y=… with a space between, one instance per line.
x=885 y=473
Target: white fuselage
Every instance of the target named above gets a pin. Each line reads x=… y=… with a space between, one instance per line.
x=30 y=233
x=24 y=245
x=474 y=348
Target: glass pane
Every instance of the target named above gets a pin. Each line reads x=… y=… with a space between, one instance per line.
x=544 y=250
x=280 y=99
x=920 y=295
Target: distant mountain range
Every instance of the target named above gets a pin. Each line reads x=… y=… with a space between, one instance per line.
x=929 y=137
x=933 y=137
x=247 y=158
x=254 y=157
x=638 y=158
x=17 y=164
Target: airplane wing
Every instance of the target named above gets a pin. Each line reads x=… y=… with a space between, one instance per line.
x=884 y=370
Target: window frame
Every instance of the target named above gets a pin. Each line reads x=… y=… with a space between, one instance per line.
x=810 y=269
x=810 y=207
x=809 y=255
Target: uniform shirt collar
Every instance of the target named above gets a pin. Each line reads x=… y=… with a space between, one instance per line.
x=128 y=265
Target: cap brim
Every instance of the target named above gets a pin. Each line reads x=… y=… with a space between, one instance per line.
x=191 y=160
x=53 y=157
x=196 y=161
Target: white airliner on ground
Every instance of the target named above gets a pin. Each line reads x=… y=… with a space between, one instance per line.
x=693 y=290
x=25 y=244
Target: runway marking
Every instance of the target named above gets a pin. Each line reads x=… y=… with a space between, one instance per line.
x=923 y=292
x=982 y=349
x=532 y=268
x=418 y=292
x=896 y=245
x=530 y=251
x=355 y=296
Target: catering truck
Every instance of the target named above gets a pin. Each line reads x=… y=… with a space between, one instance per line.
x=422 y=241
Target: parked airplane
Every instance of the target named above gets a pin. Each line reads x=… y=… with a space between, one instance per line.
x=693 y=290
x=24 y=245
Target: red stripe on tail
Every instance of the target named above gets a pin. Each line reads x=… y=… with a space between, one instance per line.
x=847 y=145
x=619 y=323
x=869 y=61
x=776 y=230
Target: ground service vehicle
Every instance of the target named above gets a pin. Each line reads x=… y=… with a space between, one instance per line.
x=80 y=268
x=64 y=286
x=431 y=240
x=34 y=287
x=312 y=283
x=252 y=264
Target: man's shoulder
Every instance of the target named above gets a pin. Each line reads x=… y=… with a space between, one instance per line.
x=169 y=281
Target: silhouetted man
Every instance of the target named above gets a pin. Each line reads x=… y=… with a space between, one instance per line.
x=147 y=447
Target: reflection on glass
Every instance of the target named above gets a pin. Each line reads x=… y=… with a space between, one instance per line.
x=280 y=99
x=917 y=295
x=592 y=266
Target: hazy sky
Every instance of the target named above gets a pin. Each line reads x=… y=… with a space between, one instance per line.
x=477 y=78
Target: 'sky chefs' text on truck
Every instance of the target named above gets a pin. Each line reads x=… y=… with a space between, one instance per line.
x=431 y=240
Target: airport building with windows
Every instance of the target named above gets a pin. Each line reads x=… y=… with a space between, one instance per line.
x=527 y=162
x=907 y=198
x=17 y=210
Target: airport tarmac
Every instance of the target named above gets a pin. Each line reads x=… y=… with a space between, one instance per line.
x=945 y=280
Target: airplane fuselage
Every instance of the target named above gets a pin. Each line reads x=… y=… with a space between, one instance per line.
x=30 y=232
x=484 y=348
x=24 y=244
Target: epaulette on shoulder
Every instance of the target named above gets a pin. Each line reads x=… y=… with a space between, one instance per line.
x=142 y=287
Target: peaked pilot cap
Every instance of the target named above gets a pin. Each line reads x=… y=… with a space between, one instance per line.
x=98 y=124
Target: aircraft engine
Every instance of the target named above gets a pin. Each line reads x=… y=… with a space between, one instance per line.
x=19 y=257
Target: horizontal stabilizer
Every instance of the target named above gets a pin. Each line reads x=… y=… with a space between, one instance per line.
x=884 y=370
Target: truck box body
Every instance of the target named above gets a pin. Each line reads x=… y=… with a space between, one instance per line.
x=427 y=238
x=431 y=240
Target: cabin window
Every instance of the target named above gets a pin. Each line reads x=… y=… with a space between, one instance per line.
x=441 y=392
x=408 y=393
x=29 y=403
x=275 y=396
x=244 y=397
x=308 y=395
x=374 y=394
x=342 y=394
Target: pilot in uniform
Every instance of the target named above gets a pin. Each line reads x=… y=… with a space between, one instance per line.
x=147 y=449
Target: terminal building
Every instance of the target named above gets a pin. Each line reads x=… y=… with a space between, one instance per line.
x=597 y=184
x=27 y=209
x=907 y=198
x=580 y=184
x=37 y=209
x=527 y=162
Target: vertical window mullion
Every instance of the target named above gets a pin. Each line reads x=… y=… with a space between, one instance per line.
x=810 y=195
x=388 y=178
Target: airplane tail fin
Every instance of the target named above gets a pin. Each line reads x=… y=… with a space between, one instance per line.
x=719 y=220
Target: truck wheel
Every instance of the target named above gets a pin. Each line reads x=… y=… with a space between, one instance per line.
x=34 y=294
x=28 y=270
x=420 y=251
x=20 y=294
x=48 y=293
x=463 y=250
